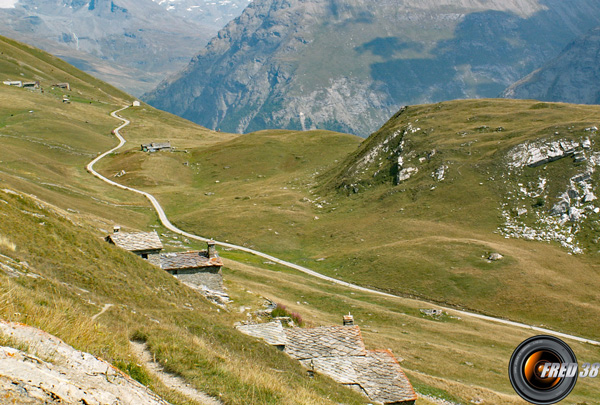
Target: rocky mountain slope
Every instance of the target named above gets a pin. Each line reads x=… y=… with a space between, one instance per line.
x=346 y=65
x=572 y=77
x=546 y=176
x=212 y=13
x=132 y=43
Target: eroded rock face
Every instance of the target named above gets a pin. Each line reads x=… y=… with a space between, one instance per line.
x=56 y=373
x=541 y=152
x=573 y=211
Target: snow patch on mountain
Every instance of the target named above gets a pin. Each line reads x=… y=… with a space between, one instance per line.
x=8 y=3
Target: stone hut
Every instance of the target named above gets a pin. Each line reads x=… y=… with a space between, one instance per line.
x=31 y=85
x=16 y=83
x=198 y=268
x=156 y=147
x=147 y=245
x=65 y=86
x=339 y=352
x=136 y=103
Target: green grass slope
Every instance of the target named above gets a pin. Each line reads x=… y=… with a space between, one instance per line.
x=48 y=143
x=310 y=200
x=57 y=273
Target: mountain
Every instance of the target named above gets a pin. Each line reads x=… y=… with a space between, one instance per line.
x=132 y=43
x=572 y=77
x=346 y=65
x=212 y=13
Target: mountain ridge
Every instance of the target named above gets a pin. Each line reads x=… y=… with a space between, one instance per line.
x=571 y=77
x=343 y=65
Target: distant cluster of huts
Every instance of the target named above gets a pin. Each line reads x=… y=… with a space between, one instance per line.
x=34 y=84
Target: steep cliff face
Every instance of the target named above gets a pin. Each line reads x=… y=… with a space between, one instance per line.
x=346 y=65
x=142 y=39
x=572 y=77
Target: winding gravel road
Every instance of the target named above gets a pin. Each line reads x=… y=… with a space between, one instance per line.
x=167 y=224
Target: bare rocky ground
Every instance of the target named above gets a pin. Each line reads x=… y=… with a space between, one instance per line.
x=45 y=370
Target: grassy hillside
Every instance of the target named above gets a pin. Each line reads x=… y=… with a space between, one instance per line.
x=286 y=194
x=65 y=274
x=282 y=192
x=47 y=143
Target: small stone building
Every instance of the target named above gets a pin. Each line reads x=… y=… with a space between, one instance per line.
x=16 y=83
x=65 y=86
x=31 y=85
x=156 y=147
x=147 y=245
x=339 y=352
x=198 y=268
x=136 y=103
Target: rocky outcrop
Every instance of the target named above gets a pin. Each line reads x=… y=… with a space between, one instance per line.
x=573 y=212
x=56 y=373
x=572 y=77
x=345 y=65
x=542 y=152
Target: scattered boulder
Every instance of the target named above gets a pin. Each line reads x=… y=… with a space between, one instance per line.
x=573 y=194
x=562 y=206
x=494 y=257
x=406 y=174
x=575 y=214
x=432 y=312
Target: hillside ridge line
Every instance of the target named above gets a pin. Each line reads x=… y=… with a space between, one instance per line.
x=167 y=224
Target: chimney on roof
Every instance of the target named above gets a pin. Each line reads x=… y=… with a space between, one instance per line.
x=348 y=320
x=212 y=250
x=116 y=229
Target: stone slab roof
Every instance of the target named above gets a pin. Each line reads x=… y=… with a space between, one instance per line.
x=188 y=260
x=380 y=375
x=271 y=332
x=157 y=145
x=339 y=352
x=377 y=373
x=324 y=341
x=136 y=242
x=340 y=369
